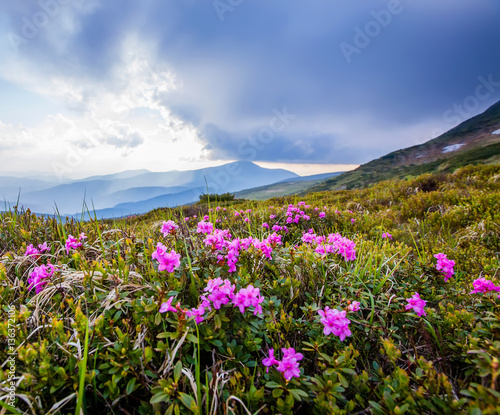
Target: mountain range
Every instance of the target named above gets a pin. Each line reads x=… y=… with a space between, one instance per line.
x=134 y=192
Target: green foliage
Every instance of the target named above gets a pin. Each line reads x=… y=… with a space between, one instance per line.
x=224 y=197
x=96 y=329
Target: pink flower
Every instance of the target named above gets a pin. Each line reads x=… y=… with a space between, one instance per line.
x=308 y=238
x=168 y=227
x=167 y=261
x=168 y=306
x=292 y=354
x=220 y=291
x=289 y=367
x=43 y=247
x=444 y=265
x=197 y=313
x=386 y=235
x=30 y=250
x=72 y=243
x=247 y=297
x=265 y=225
x=205 y=227
x=322 y=214
x=82 y=236
x=482 y=285
x=38 y=277
x=335 y=321
x=353 y=220
x=270 y=361
x=417 y=304
x=354 y=306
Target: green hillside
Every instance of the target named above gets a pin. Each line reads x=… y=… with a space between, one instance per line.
x=477 y=146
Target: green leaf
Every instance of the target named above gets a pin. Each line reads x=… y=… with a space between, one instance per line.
x=298 y=394
x=272 y=385
x=159 y=397
x=148 y=354
x=177 y=371
x=277 y=393
x=130 y=386
x=192 y=338
x=188 y=401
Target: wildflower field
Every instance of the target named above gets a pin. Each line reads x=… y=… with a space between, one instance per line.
x=376 y=301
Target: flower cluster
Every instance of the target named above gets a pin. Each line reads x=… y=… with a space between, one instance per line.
x=417 y=304
x=336 y=244
x=220 y=292
x=386 y=235
x=169 y=227
x=247 y=297
x=38 y=277
x=354 y=306
x=289 y=365
x=205 y=227
x=32 y=251
x=168 y=260
x=335 y=321
x=73 y=243
x=445 y=265
x=482 y=285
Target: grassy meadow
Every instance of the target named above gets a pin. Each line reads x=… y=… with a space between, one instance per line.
x=136 y=317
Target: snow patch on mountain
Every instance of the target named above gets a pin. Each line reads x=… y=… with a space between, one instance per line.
x=453 y=147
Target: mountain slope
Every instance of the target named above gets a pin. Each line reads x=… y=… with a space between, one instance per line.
x=475 y=141
x=285 y=187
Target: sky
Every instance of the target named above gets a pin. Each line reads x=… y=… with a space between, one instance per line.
x=101 y=86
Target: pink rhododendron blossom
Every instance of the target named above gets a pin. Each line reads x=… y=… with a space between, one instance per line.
x=289 y=368
x=30 y=250
x=247 y=297
x=386 y=235
x=417 y=304
x=265 y=225
x=445 y=265
x=206 y=217
x=322 y=214
x=205 y=227
x=167 y=306
x=38 y=277
x=273 y=239
x=168 y=227
x=43 y=247
x=482 y=285
x=353 y=220
x=335 y=321
x=168 y=261
x=354 y=306
x=72 y=243
x=220 y=292
x=270 y=361
x=197 y=313
x=289 y=365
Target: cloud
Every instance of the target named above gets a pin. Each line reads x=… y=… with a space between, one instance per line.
x=173 y=76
